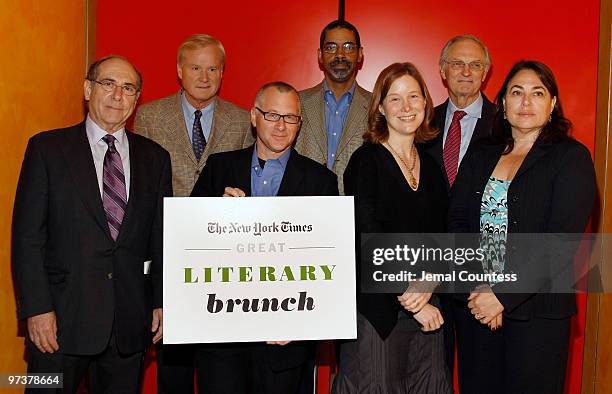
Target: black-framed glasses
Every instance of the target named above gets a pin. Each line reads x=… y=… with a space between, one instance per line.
x=332 y=47
x=110 y=86
x=460 y=65
x=274 y=117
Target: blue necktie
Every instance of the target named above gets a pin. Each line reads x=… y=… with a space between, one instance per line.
x=198 y=141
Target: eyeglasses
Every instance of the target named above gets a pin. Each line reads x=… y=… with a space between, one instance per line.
x=274 y=117
x=332 y=47
x=110 y=86
x=460 y=65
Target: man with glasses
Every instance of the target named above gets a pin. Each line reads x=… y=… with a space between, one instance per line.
x=191 y=124
x=87 y=240
x=464 y=118
x=467 y=115
x=335 y=111
x=268 y=168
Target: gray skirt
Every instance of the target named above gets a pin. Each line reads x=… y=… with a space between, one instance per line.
x=408 y=361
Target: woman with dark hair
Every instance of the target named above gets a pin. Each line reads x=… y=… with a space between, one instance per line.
x=398 y=188
x=532 y=178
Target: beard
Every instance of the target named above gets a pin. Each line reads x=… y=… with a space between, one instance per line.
x=340 y=70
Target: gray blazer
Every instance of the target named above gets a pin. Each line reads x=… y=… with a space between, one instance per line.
x=163 y=121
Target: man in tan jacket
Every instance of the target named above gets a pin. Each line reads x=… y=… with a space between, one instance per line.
x=195 y=122
x=191 y=125
x=335 y=112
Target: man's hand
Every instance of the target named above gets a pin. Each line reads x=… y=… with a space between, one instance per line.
x=157 y=325
x=280 y=343
x=484 y=305
x=233 y=192
x=42 y=330
x=429 y=317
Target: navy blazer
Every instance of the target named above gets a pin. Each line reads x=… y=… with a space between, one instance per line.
x=552 y=192
x=482 y=131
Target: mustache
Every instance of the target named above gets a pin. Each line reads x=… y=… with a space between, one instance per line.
x=343 y=62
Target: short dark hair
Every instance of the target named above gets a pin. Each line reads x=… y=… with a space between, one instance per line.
x=339 y=24
x=378 y=131
x=94 y=68
x=558 y=127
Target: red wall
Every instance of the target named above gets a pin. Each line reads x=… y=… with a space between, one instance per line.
x=268 y=40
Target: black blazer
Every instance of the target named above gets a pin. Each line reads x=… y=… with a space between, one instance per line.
x=482 y=130
x=384 y=203
x=552 y=192
x=302 y=177
x=64 y=258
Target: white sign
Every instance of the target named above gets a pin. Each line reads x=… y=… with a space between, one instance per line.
x=258 y=269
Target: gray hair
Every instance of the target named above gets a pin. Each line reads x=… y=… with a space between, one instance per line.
x=444 y=53
x=94 y=68
x=281 y=86
x=196 y=41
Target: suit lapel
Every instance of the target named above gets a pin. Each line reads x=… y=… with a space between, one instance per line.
x=220 y=122
x=436 y=152
x=292 y=176
x=242 y=170
x=357 y=111
x=81 y=166
x=176 y=124
x=137 y=175
x=538 y=150
x=315 y=105
x=483 y=126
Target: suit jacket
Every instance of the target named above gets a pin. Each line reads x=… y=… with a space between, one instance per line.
x=163 y=121
x=64 y=258
x=481 y=131
x=552 y=192
x=312 y=139
x=302 y=177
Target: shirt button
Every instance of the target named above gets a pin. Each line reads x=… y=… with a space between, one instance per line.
x=334 y=133
x=336 y=112
x=110 y=275
x=333 y=155
x=265 y=182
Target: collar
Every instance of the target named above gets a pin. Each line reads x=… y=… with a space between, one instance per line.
x=190 y=109
x=283 y=159
x=473 y=110
x=327 y=91
x=95 y=133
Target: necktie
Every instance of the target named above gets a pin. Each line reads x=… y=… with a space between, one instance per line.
x=198 y=140
x=452 y=146
x=114 y=195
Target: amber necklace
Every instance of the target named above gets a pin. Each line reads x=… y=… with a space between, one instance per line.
x=412 y=182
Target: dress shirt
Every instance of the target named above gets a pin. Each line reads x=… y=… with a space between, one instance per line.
x=468 y=123
x=266 y=181
x=336 y=113
x=99 y=148
x=206 y=119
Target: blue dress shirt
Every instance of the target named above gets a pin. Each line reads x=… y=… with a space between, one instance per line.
x=336 y=113
x=205 y=120
x=266 y=181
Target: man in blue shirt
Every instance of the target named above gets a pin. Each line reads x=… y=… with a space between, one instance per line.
x=335 y=112
x=268 y=168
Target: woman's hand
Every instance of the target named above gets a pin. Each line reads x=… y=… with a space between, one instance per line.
x=496 y=323
x=484 y=305
x=429 y=317
x=413 y=301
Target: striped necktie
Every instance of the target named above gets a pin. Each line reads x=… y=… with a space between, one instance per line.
x=452 y=146
x=114 y=195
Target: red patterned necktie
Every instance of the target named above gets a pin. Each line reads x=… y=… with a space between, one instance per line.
x=114 y=194
x=452 y=146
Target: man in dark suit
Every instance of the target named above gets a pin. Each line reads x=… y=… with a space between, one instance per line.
x=87 y=239
x=268 y=168
x=464 y=118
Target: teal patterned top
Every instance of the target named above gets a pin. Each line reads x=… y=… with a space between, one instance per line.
x=494 y=224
